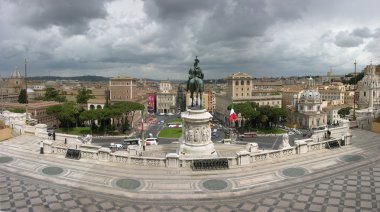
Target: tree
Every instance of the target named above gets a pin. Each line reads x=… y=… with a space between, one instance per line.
x=344 y=111
x=259 y=116
x=84 y=95
x=66 y=113
x=126 y=109
x=53 y=95
x=354 y=80
x=22 y=97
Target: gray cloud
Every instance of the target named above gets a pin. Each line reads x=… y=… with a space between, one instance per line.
x=71 y=15
x=346 y=39
x=143 y=38
x=362 y=32
x=175 y=10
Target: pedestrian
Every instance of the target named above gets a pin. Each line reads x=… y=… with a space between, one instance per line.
x=41 y=147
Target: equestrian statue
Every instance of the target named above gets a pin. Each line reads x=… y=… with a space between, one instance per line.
x=195 y=84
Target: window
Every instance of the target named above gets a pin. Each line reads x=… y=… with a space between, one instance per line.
x=242 y=89
x=248 y=82
x=236 y=82
x=242 y=82
x=247 y=94
x=237 y=94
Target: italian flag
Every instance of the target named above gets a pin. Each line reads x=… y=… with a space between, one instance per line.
x=233 y=116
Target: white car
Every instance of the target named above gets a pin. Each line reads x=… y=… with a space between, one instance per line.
x=290 y=133
x=117 y=146
x=151 y=141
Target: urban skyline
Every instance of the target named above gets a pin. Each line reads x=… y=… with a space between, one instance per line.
x=140 y=38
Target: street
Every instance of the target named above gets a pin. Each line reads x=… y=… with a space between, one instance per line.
x=264 y=142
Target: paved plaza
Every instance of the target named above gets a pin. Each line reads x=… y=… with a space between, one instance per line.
x=345 y=179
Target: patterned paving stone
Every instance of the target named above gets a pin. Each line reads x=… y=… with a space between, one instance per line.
x=5 y=159
x=215 y=184
x=52 y=170
x=129 y=184
x=294 y=172
x=355 y=190
x=351 y=158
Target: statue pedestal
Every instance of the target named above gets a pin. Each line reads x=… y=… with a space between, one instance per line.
x=196 y=135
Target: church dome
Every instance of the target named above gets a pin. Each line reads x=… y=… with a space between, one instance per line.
x=50 y=84
x=371 y=80
x=16 y=74
x=310 y=96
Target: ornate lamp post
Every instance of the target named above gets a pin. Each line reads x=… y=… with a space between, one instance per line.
x=354 y=115
x=26 y=95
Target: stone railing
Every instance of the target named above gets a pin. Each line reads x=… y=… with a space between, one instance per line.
x=250 y=155
x=272 y=154
x=133 y=155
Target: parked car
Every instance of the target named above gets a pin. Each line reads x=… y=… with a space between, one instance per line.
x=117 y=146
x=248 y=135
x=151 y=141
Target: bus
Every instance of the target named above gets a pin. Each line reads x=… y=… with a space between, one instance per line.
x=132 y=141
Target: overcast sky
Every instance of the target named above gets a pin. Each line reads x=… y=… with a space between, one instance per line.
x=160 y=39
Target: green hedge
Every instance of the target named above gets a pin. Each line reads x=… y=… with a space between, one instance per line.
x=170 y=133
x=74 y=131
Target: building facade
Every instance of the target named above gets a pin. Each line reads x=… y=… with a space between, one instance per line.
x=166 y=99
x=239 y=90
x=122 y=89
x=166 y=103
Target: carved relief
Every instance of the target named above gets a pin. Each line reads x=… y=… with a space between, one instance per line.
x=153 y=162
x=204 y=135
x=260 y=157
x=288 y=152
x=190 y=136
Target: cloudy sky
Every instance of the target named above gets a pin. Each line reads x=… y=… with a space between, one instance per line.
x=160 y=39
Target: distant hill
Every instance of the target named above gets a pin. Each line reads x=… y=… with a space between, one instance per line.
x=87 y=78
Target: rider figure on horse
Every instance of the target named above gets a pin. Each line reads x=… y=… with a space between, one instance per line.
x=195 y=83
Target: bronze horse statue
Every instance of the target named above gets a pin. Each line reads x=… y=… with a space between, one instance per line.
x=195 y=84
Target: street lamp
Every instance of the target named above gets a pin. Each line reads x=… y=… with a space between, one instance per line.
x=354 y=115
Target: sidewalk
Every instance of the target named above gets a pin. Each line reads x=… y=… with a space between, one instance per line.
x=301 y=175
